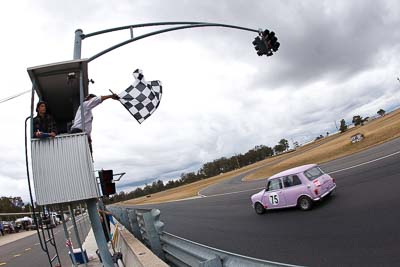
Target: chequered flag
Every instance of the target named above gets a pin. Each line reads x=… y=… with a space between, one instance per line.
x=142 y=98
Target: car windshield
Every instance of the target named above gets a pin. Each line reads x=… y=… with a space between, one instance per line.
x=274 y=184
x=313 y=173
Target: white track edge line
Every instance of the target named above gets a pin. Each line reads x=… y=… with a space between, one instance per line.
x=348 y=168
x=364 y=163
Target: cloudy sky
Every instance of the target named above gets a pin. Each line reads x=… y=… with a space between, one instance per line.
x=337 y=59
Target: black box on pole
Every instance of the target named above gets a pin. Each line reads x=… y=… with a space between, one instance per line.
x=106 y=182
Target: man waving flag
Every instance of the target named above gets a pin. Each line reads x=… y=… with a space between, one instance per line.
x=142 y=98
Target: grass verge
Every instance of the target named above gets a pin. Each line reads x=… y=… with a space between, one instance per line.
x=375 y=132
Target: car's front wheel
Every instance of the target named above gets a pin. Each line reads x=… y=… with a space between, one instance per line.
x=259 y=208
x=305 y=203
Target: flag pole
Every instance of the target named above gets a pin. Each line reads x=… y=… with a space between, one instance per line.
x=119 y=99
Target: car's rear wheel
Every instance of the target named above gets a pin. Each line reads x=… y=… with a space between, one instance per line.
x=305 y=203
x=259 y=208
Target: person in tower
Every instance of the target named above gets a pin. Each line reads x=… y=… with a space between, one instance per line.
x=90 y=102
x=43 y=124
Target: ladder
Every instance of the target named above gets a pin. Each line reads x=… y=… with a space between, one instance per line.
x=46 y=238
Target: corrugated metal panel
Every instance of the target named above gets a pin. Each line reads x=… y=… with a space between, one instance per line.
x=63 y=169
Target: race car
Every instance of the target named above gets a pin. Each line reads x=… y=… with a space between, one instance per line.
x=300 y=186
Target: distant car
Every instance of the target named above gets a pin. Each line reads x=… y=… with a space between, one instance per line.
x=300 y=186
x=10 y=227
x=23 y=223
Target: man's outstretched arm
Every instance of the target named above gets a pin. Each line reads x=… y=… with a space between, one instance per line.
x=113 y=96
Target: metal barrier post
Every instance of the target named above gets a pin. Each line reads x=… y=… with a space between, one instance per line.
x=124 y=219
x=153 y=227
x=135 y=230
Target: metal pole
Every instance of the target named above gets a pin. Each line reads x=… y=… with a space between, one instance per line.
x=98 y=233
x=78 y=44
x=67 y=237
x=84 y=234
x=81 y=98
x=78 y=239
x=105 y=220
x=86 y=220
x=77 y=55
x=31 y=123
x=163 y=31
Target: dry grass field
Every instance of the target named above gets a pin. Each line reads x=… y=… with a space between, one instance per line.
x=191 y=190
x=335 y=146
x=375 y=132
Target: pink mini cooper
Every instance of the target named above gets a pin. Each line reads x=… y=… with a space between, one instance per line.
x=300 y=186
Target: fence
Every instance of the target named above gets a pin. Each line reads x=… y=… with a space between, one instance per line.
x=146 y=226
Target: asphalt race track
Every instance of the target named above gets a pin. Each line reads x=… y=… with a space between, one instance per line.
x=358 y=226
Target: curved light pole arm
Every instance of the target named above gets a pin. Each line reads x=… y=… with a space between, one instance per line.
x=83 y=36
x=168 y=30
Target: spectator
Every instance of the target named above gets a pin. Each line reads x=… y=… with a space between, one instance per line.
x=1 y=228
x=105 y=224
x=11 y=228
x=43 y=124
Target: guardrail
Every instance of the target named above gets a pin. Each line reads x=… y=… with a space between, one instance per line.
x=133 y=251
x=146 y=226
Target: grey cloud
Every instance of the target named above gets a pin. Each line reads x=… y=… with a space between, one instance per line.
x=320 y=45
x=318 y=41
x=319 y=75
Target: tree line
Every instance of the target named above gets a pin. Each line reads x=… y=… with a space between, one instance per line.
x=16 y=205
x=209 y=169
x=9 y=205
x=358 y=120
